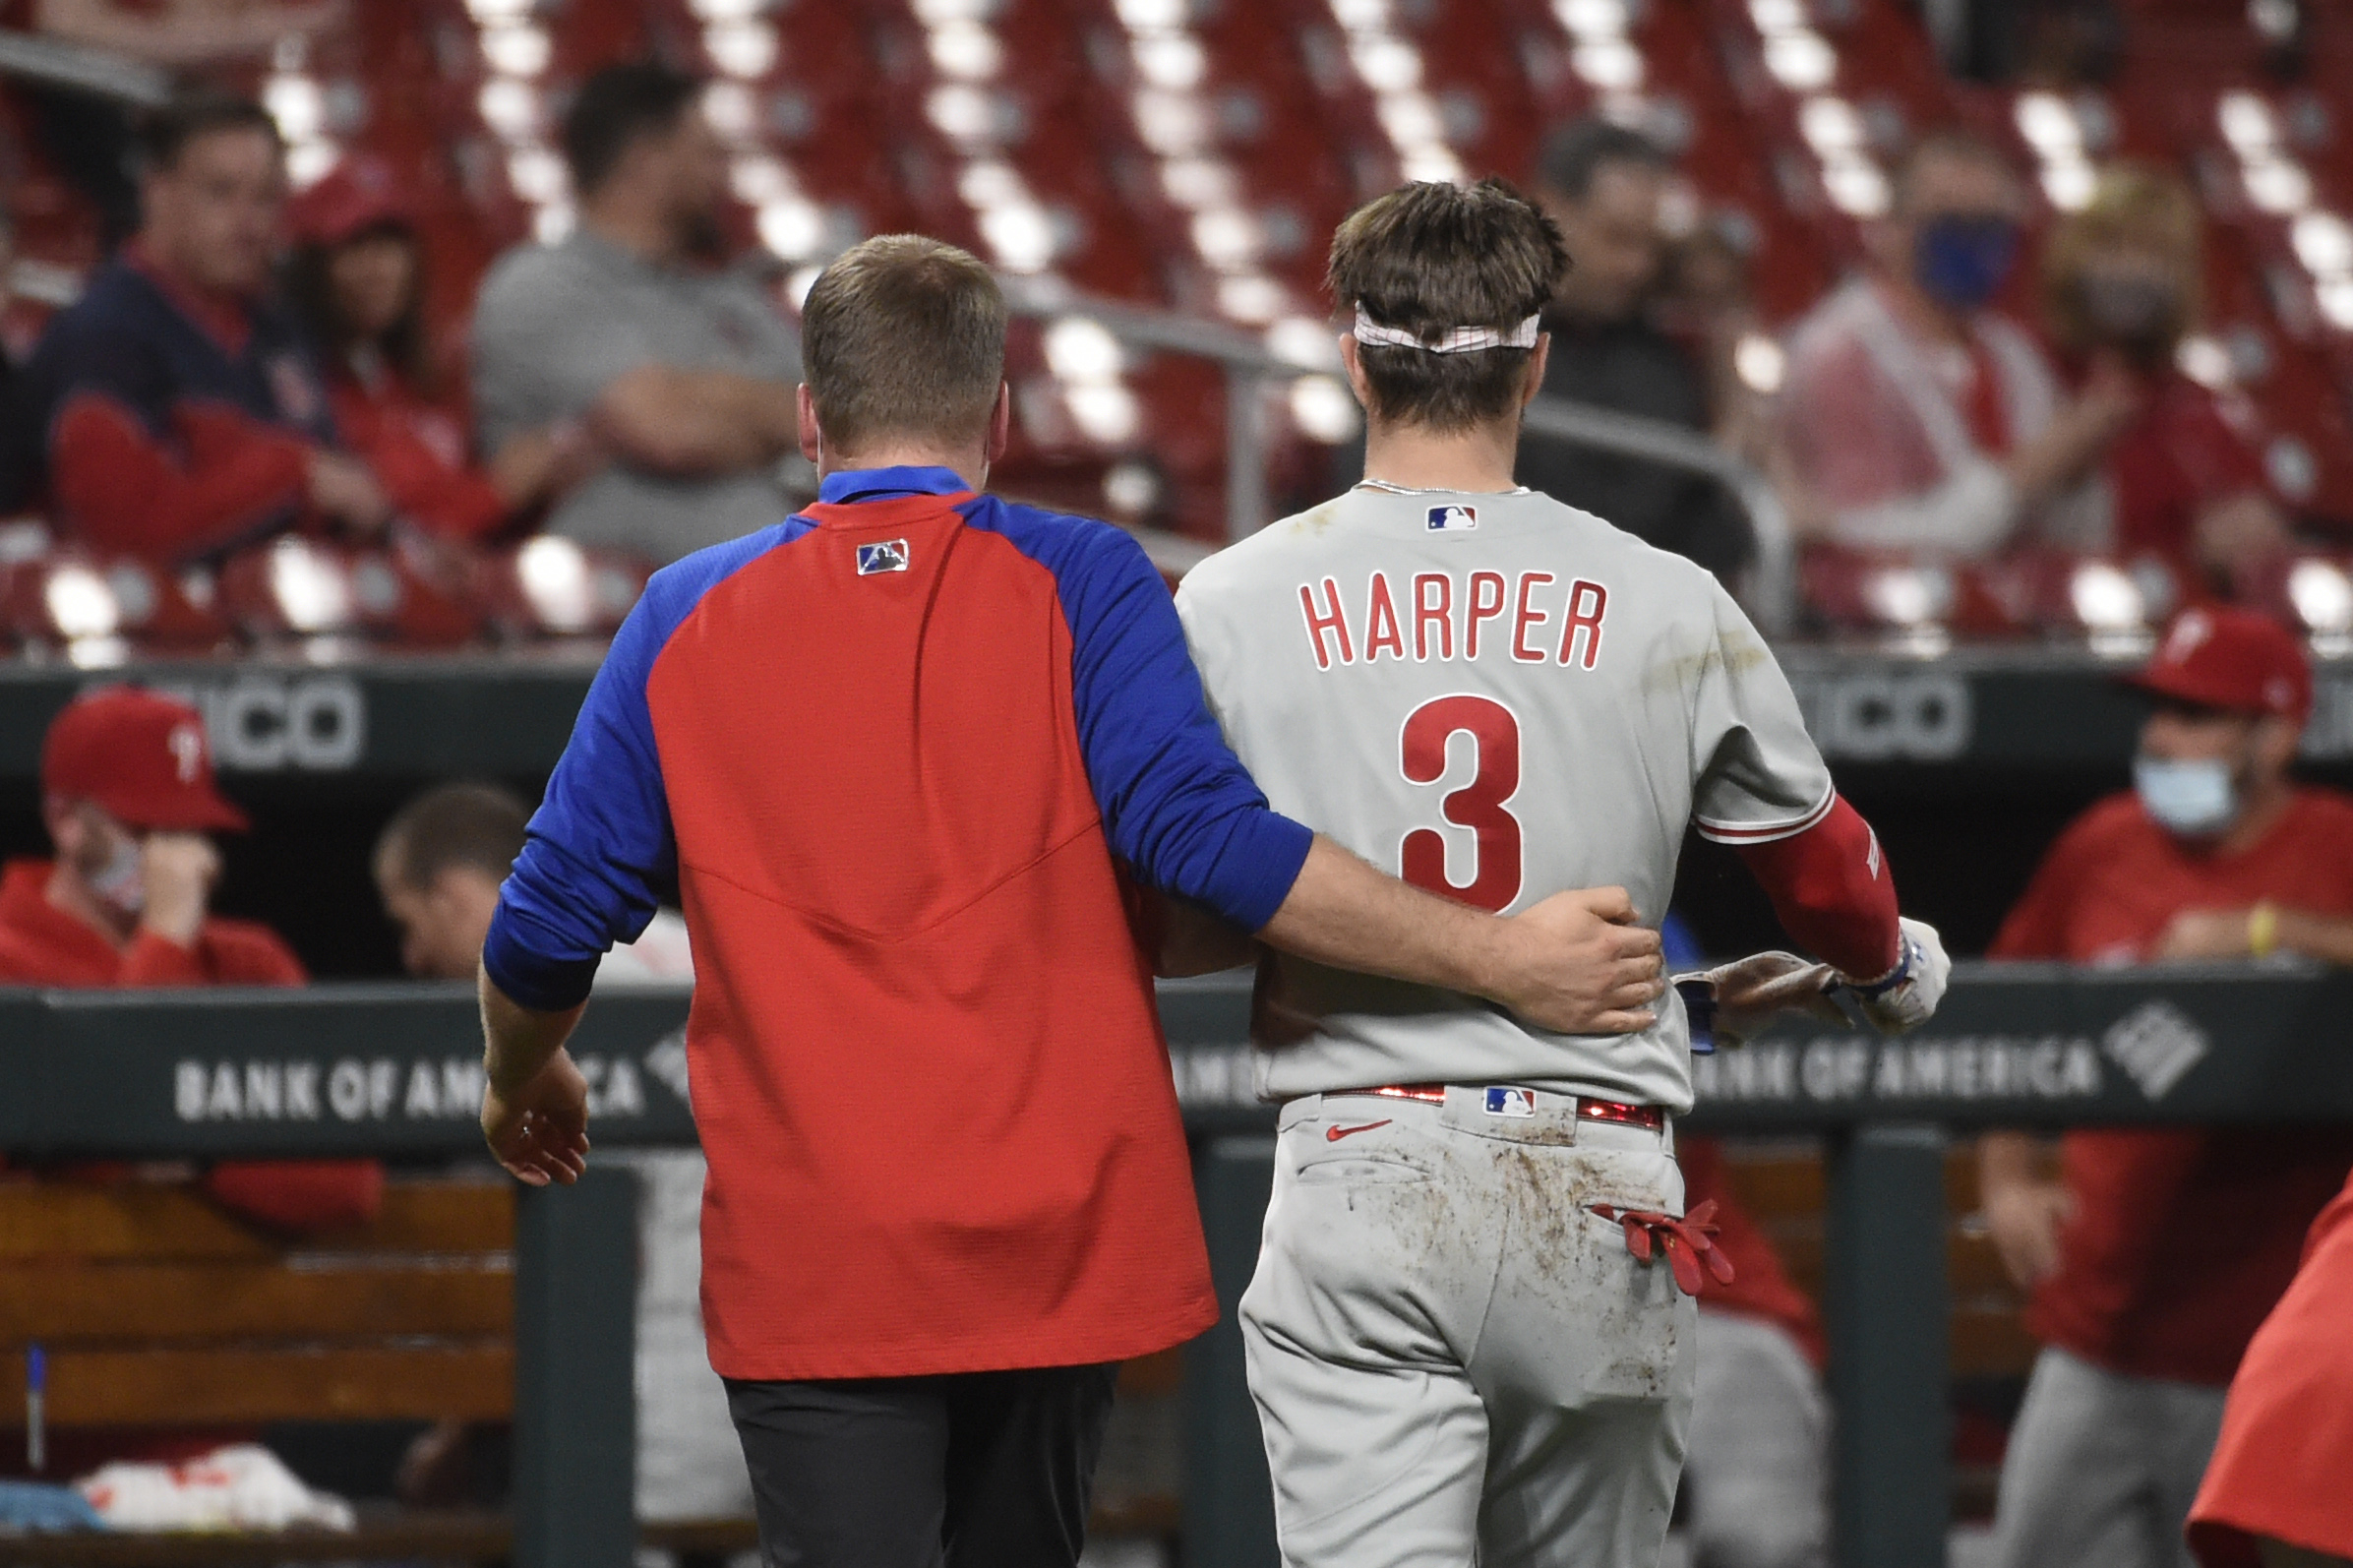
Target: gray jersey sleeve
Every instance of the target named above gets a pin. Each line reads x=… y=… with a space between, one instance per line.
x=1759 y=774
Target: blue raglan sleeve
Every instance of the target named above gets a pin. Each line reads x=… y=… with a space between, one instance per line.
x=600 y=842
x=1177 y=805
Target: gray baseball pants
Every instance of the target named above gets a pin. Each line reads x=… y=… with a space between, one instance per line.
x=1455 y=1361
x=2102 y=1467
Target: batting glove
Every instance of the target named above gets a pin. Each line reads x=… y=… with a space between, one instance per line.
x=1732 y=1003
x=1907 y=995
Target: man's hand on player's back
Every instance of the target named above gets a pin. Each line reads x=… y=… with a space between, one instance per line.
x=1583 y=966
x=1575 y=963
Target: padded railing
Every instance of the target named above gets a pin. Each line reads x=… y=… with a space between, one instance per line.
x=392 y=1069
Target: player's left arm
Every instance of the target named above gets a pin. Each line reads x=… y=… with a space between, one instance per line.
x=1763 y=789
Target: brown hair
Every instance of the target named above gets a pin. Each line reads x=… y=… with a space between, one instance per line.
x=2132 y=204
x=903 y=336
x=404 y=344
x=478 y=826
x=1428 y=257
x=163 y=133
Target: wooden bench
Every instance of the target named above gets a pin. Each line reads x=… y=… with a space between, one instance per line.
x=156 y=1309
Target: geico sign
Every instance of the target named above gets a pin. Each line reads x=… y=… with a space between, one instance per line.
x=1886 y=715
x=263 y=721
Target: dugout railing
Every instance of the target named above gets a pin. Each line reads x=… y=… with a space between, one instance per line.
x=390 y=1070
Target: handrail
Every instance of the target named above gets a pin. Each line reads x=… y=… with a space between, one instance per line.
x=69 y=65
x=394 y=1069
x=1772 y=588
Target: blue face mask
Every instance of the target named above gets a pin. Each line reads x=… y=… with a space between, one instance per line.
x=2194 y=799
x=1962 y=261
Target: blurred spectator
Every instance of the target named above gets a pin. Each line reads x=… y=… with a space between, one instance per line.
x=174 y=412
x=2155 y=1254
x=87 y=137
x=2121 y=280
x=682 y=371
x=1915 y=418
x=1756 y=1476
x=439 y=862
x=1603 y=184
x=356 y=279
x=128 y=798
x=1706 y=301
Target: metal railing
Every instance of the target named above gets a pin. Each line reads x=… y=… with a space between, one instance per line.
x=1252 y=370
x=34 y=58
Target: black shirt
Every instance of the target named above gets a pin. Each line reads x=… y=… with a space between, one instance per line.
x=1633 y=367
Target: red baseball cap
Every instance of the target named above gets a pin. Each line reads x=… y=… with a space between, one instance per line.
x=358 y=194
x=141 y=757
x=2232 y=659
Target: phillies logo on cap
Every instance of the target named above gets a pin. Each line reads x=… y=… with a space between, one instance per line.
x=1453 y=519
x=2190 y=629
x=186 y=745
x=888 y=556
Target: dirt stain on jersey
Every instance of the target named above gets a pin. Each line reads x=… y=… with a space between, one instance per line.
x=1315 y=519
x=1730 y=657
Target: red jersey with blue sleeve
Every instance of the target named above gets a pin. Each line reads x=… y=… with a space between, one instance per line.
x=896 y=749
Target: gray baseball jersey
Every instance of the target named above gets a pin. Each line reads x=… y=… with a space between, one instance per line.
x=1501 y=698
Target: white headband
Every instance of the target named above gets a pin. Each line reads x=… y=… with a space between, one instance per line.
x=1455 y=340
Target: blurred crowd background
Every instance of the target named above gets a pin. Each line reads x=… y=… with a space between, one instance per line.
x=2037 y=314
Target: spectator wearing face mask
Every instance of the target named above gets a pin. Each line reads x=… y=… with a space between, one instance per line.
x=128 y=798
x=2121 y=284
x=357 y=279
x=1916 y=419
x=2153 y=1255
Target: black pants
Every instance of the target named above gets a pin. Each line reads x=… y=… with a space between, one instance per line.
x=974 y=1470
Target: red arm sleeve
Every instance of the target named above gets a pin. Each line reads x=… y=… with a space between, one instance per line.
x=125 y=489
x=298 y=1194
x=1833 y=891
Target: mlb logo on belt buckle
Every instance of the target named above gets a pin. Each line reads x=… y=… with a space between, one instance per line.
x=1511 y=1101
x=1451 y=519
x=888 y=556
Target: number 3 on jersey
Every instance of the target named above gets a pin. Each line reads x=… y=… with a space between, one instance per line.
x=1494 y=731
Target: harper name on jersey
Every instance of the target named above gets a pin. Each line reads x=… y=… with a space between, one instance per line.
x=1497 y=697
x=1525 y=615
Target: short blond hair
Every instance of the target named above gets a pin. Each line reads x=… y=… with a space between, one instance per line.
x=903 y=336
x=2132 y=204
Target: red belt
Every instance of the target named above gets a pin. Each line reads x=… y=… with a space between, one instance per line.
x=1649 y=1118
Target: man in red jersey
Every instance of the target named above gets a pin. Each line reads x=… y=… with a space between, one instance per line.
x=2276 y=1494
x=128 y=796
x=906 y=752
x=2155 y=1254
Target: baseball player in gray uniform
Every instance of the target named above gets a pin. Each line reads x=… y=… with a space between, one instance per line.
x=1465 y=1335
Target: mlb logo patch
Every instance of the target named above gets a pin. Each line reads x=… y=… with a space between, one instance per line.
x=888 y=556
x=1511 y=1101
x=1453 y=519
